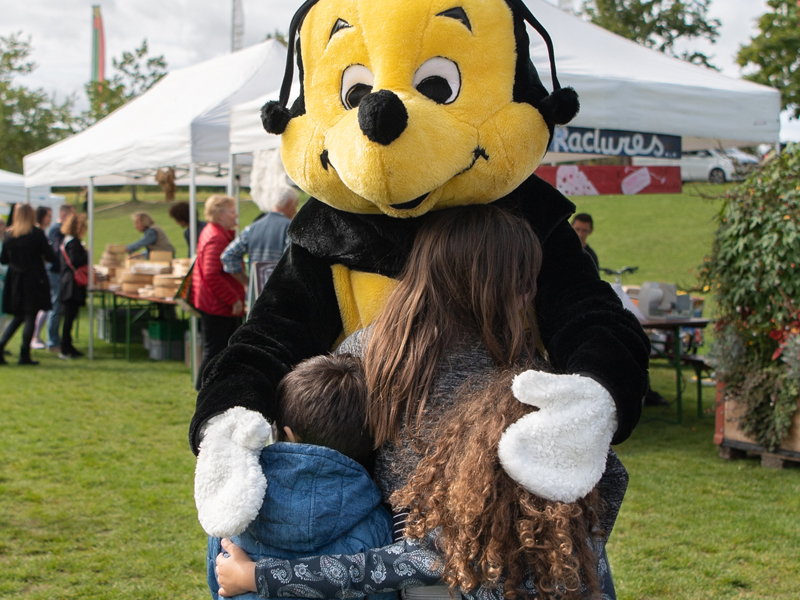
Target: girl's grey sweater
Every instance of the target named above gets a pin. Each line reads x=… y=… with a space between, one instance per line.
x=395 y=463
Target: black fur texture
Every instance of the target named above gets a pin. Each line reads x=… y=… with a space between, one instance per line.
x=275 y=117
x=560 y=107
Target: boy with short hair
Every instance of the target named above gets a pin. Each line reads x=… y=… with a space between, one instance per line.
x=320 y=499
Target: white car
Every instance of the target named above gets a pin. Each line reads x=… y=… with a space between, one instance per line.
x=709 y=165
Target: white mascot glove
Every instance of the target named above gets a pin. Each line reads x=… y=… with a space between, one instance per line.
x=229 y=485
x=559 y=452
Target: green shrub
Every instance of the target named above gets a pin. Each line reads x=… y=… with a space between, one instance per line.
x=754 y=273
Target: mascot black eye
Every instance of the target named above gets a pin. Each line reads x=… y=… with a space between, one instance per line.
x=438 y=79
x=357 y=82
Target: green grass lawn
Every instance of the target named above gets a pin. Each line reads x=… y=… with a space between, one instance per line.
x=665 y=235
x=96 y=473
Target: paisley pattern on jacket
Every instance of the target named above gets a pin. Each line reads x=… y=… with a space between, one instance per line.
x=404 y=564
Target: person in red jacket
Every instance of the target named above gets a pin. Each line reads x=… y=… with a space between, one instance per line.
x=218 y=295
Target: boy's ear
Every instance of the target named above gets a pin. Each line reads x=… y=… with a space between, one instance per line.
x=290 y=435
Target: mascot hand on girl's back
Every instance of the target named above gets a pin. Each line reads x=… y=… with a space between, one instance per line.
x=408 y=107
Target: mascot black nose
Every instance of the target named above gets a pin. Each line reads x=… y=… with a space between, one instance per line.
x=382 y=117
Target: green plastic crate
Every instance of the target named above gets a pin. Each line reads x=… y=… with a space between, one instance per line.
x=170 y=331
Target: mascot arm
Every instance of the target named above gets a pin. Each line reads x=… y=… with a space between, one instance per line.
x=586 y=330
x=294 y=318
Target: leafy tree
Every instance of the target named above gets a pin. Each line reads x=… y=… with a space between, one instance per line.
x=29 y=119
x=775 y=52
x=135 y=73
x=657 y=24
x=277 y=35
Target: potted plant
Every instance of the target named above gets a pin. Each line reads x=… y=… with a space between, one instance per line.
x=754 y=274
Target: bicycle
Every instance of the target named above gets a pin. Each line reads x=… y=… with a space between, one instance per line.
x=619 y=272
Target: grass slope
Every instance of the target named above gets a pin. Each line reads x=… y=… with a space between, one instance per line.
x=96 y=473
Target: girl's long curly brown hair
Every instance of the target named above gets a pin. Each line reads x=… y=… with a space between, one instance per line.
x=493 y=531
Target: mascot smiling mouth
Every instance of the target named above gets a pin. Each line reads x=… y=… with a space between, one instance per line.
x=476 y=154
x=411 y=204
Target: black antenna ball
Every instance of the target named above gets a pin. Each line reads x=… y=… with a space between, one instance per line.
x=275 y=117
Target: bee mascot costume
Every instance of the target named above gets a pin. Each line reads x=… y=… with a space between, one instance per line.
x=408 y=107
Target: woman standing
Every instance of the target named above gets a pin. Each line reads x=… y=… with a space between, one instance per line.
x=25 y=250
x=3 y=271
x=218 y=295
x=73 y=296
x=44 y=216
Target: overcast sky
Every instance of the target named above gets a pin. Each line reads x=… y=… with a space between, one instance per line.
x=187 y=32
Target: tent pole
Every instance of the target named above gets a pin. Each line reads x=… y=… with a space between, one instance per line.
x=90 y=208
x=233 y=189
x=192 y=252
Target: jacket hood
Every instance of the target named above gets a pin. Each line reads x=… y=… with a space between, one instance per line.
x=314 y=496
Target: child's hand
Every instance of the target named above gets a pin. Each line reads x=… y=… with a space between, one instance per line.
x=236 y=573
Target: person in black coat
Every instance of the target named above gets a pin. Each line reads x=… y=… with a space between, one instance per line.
x=27 y=291
x=73 y=296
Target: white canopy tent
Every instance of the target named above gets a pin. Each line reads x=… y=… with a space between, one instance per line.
x=13 y=191
x=182 y=122
x=247 y=133
x=622 y=86
x=625 y=86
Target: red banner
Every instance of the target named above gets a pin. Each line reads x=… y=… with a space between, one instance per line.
x=579 y=180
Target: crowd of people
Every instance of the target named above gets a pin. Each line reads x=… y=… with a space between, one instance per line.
x=40 y=261
x=40 y=258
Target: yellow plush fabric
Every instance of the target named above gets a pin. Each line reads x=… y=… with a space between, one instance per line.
x=453 y=153
x=360 y=295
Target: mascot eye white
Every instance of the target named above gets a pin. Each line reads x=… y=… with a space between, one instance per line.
x=408 y=107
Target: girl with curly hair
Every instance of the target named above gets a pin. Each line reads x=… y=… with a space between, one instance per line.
x=489 y=530
x=462 y=311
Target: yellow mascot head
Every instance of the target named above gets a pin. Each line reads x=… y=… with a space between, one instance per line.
x=408 y=106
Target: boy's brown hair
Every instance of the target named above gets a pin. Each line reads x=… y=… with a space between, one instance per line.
x=324 y=401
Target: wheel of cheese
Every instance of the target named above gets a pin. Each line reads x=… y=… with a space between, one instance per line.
x=167 y=281
x=160 y=256
x=136 y=278
x=166 y=292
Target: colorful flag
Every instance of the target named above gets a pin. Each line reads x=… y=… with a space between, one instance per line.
x=98 y=46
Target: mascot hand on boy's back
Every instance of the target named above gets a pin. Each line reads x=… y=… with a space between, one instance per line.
x=407 y=107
